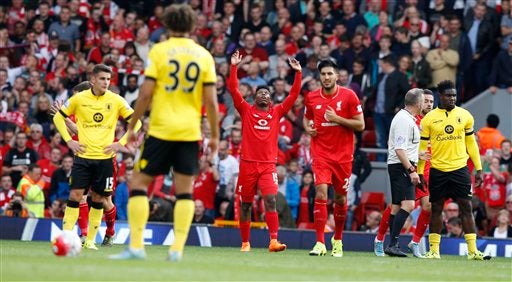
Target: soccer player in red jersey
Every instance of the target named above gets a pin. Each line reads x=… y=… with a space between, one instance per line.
x=332 y=115
x=422 y=195
x=260 y=128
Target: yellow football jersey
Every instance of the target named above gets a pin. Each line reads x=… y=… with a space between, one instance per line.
x=447 y=132
x=180 y=68
x=96 y=120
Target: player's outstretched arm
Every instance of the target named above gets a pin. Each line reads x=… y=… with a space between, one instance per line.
x=232 y=82
x=295 y=90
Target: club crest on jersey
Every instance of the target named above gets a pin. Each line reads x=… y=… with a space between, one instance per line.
x=338 y=106
x=97 y=117
x=449 y=129
x=318 y=107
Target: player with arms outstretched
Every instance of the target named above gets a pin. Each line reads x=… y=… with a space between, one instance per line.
x=260 y=129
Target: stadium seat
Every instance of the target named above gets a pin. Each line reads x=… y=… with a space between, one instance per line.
x=370 y=201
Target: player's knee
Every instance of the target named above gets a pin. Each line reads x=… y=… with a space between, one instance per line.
x=407 y=205
x=246 y=206
x=270 y=202
x=320 y=195
x=426 y=206
x=340 y=199
x=76 y=195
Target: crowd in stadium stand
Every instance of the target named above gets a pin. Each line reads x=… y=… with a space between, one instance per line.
x=48 y=47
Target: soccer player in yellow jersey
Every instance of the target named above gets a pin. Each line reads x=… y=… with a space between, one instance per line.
x=450 y=131
x=180 y=77
x=97 y=111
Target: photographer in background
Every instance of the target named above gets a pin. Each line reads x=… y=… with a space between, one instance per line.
x=17 y=207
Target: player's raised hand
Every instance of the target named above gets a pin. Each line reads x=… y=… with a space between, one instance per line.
x=295 y=64
x=55 y=107
x=236 y=58
x=76 y=147
x=330 y=114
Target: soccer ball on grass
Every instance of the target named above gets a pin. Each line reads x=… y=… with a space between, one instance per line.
x=67 y=244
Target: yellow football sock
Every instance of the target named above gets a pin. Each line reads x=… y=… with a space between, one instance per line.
x=471 y=241
x=138 y=212
x=183 y=213
x=95 y=216
x=434 y=241
x=70 y=218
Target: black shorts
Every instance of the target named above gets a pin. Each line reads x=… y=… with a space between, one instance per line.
x=453 y=184
x=158 y=156
x=402 y=188
x=95 y=174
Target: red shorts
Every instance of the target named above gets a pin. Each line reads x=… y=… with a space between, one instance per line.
x=255 y=175
x=337 y=174
x=420 y=194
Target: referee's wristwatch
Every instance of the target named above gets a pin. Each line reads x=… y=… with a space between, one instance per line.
x=411 y=169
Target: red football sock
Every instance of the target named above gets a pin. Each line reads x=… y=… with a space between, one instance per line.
x=421 y=226
x=83 y=218
x=320 y=215
x=245 y=230
x=340 y=215
x=384 y=224
x=272 y=220
x=110 y=220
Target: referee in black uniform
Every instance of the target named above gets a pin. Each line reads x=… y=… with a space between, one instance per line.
x=403 y=145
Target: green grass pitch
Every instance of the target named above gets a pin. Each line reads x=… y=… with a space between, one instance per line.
x=31 y=261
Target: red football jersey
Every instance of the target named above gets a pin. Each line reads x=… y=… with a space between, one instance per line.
x=333 y=142
x=260 y=129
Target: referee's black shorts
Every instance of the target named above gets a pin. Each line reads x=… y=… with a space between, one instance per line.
x=158 y=156
x=402 y=188
x=452 y=184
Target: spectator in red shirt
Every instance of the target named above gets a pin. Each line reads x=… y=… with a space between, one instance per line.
x=38 y=142
x=494 y=186
x=97 y=53
x=235 y=143
x=48 y=167
x=205 y=185
x=119 y=33
x=252 y=53
x=96 y=27
x=6 y=191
